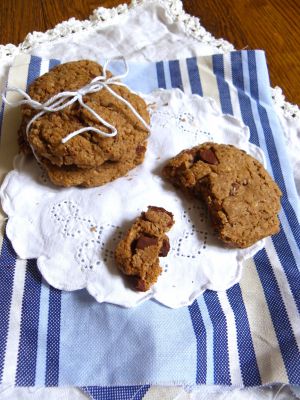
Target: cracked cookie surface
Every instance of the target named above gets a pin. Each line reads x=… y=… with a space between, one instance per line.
x=137 y=254
x=89 y=149
x=242 y=199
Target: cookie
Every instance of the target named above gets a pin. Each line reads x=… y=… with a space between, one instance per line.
x=89 y=149
x=242 y=199
x=107 y=172
x=137 y=255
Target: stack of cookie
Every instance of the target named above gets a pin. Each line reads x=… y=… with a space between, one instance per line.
x=87 y=159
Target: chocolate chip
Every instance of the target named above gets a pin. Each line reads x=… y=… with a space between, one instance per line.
x=208 y=156
x=133 y=246
x=245 y=182
x=140 y=285
x=145 y=241
x=234 y=188
x=140 y=149
x=165 y=248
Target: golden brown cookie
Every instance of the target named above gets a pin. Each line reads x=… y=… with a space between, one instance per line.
x=138 y=253
x=89 y=149
x=242 y=199
x=107 y=172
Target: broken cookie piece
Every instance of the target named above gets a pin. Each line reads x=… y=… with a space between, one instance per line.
x=137 y=254
x=242 y=199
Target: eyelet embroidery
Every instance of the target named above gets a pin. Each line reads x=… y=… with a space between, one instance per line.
x=184 y=122
x=97 y=242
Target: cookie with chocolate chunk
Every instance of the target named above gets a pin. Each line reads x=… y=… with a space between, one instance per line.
x=137 y=254
x=242 y=199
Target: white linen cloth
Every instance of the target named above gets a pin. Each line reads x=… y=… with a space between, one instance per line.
x=173 y=42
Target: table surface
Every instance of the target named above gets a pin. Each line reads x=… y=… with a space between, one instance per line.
x=272 y=25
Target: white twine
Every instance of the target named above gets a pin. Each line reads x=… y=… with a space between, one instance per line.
x=64 y=99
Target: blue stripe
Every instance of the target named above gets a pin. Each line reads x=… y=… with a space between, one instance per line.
x=218 y=67
x=116 y=392
x=53 y=63
x=289 y=264
x=253 y=75
x=53 y=338
x=248 y=362
x=221 y=359
x=278 y=175
x=282 y=326
x=200 y=333
x=244 y=100
x=34 y=69
x=269 y=141
x=194 y=76
x=26 y=365
x=175 y=74
x=7 y=270
x=160 y=75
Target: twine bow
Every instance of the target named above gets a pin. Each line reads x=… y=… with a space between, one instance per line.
x=64 y=99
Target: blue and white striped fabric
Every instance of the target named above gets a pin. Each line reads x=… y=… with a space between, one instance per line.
x=247 y=336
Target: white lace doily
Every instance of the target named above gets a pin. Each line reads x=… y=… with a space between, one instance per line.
x=73 y=232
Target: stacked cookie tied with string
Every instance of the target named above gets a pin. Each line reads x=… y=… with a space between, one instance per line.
x=87 y=128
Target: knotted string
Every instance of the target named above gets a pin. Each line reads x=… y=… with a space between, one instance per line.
x=64 y=99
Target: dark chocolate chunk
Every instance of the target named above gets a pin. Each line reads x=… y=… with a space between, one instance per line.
x=140 y=149
x=165 y=248
x=208 y=156
x=140 y=285
x=145 y=241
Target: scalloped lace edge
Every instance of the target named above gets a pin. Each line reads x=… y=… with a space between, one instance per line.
x=105 y=16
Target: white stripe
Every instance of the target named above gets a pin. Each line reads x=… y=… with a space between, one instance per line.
x=208 y=78
x=167 y=75
x=234 y=362
x=185 y=77
x=232 y=89
x=42 y=338
x=285 y=290
x=14 y=327
x=210 y=380
x=269 y=359
x=165 y=393
x=44 y=66
x=12 y=116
